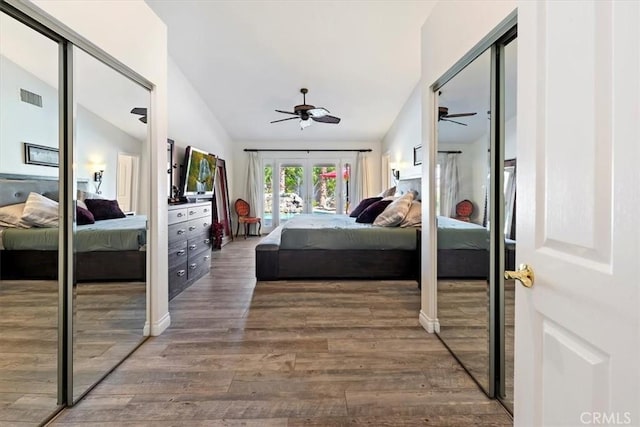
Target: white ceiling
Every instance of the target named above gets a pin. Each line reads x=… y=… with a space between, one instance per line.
x=359 y=59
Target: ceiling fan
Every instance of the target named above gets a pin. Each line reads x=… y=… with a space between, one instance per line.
x=140 y=111
x=304 y=112
x=443 y=115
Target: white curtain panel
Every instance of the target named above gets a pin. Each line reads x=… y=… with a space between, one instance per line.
x=254 y=184
x=360 y=178
x=449 y=193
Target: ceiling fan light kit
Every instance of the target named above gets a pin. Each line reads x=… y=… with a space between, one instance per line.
x=304 y=112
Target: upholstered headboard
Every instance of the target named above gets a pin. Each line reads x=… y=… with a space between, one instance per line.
x=16 y=188
x=410 y=184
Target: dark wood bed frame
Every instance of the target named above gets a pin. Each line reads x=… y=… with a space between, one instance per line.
x=35 y=265
x=273 y=263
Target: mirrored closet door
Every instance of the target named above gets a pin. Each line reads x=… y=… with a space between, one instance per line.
x=29 y=224
x=74 y=205
x=111 y=147
x=475 y=187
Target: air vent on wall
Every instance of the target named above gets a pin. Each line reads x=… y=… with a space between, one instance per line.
x=31 y=98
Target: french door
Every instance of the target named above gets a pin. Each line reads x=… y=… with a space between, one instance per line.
x=295 y=186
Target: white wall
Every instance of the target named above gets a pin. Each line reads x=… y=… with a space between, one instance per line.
x=404 y=134
x=99 y=142
x=21 y=122
x=191 y=122
x=241 y=164
x=109 y=24
x=441 y=48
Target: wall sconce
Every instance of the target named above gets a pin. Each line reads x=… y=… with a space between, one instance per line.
x=395 y=173
x=97 y=177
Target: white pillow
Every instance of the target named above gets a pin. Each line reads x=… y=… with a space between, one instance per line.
x=40 y=211
x=395 y=212
x=11 y=216
x=414 y=216
x=82 y=204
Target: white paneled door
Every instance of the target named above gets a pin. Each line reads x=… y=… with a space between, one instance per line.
x=577 y=358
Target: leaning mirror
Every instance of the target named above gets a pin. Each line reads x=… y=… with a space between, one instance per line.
x=111 y=156
x=463 y=242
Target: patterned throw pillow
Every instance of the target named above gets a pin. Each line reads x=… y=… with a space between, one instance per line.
x=395 y=212
x=371 y=213
x=364 y=204
x=104 y=209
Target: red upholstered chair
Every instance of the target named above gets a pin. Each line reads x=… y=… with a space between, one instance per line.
x=242 y=210
x=464 y=209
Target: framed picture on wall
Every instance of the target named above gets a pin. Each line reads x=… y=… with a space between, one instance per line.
x=40 y=155
x=417 y=155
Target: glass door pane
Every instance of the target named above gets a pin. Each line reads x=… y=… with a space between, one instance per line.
x=268 y=195
x=29 y=280
x=292 y=193
x=324 y=177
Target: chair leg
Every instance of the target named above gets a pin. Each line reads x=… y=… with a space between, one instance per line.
x=246 y=230
x=259 y=228
x=238 y=229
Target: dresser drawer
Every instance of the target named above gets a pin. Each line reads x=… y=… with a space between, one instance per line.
x=195 y=246
x=178 y=253
x=199 y=266
x=177 y=215
x=178 y=232
x=197 y=227
x=178 y=277
x=199 y=211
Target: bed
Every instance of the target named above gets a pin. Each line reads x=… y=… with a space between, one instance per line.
x=463 y=249
x=33 y=253
x=336 y=247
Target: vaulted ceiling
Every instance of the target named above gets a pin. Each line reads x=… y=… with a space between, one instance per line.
x=359 y=59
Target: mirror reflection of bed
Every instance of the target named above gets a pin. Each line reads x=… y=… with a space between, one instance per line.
x=475 y=306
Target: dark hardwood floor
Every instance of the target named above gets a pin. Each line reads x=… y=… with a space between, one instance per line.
x=320 y=353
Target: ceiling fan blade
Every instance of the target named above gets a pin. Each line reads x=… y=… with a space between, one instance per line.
x=282 y=120
x=286 y=112
x=327 y=119
x=460 y=115
x=139 y=111
x=452 y=121
x=318 y=112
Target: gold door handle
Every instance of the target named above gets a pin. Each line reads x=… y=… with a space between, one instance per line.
x=524 y=275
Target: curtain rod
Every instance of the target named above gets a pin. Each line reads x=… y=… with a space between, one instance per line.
x=451 y=152
x=362 y=150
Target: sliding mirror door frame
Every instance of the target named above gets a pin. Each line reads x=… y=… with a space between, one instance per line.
x=29 y=14
x=503 y=34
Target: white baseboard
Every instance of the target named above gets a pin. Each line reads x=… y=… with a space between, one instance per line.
x=159 y=327
x=430 y=325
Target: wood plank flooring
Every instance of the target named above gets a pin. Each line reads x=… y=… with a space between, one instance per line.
x=314 y=353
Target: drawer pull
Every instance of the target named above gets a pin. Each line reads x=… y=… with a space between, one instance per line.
x=181 y=273
x=204 y=224
x=192 y=247
x=193 y=266
x=206 y=258
x=192 y=212
x=181 y=252
x=180 y=215
x=191 y=228
x=181 y=231
x=207 y=241
x=206 y=209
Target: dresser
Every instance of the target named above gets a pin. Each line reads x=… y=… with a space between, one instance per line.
x=189 y=244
